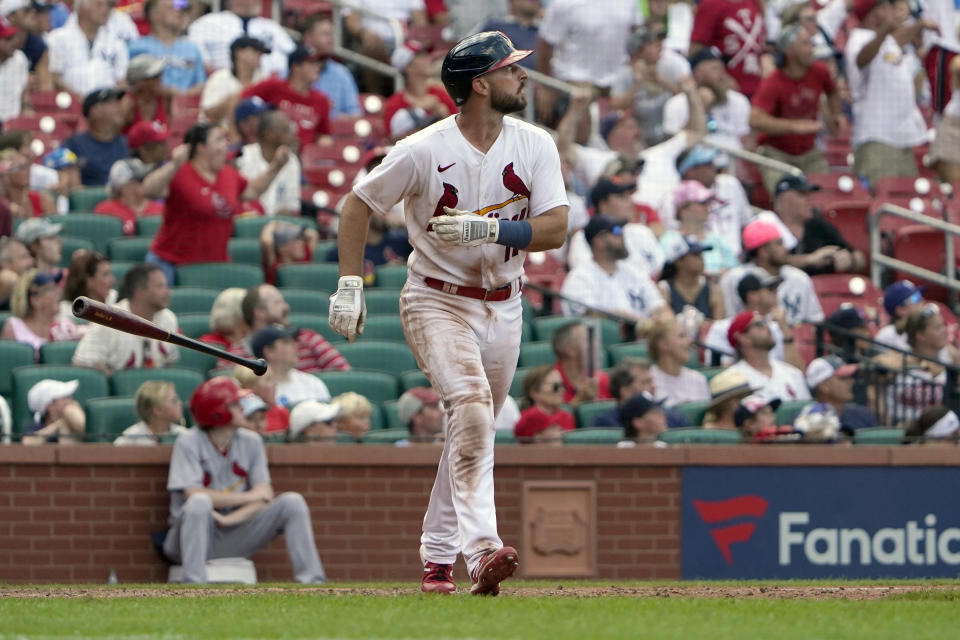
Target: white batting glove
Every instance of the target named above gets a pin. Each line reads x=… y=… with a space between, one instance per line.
x=465 y=229
x=348 y=309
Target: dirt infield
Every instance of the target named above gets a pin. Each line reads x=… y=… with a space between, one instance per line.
x=818 y=592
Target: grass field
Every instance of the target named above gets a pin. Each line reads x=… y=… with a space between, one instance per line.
x=525 y=610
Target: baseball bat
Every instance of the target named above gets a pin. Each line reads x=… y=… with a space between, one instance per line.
x=120 y=320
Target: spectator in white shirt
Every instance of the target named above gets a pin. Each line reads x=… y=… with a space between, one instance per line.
x=750 y=336
x=14 y=72
x=215 y=32
x=608 y=282
x=378 y=37
x=222 y=89
x=764 y=249
x=161 y=413
x=886 y=121
x=144 y=292
x=669 y=345
x=282 y=196
x=278 y=346
x=84 y=55
x=611 y=198
x=728 y=110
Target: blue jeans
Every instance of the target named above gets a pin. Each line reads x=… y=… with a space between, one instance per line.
x=168 y=268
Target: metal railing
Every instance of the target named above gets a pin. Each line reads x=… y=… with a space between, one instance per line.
x=755 y=158
x=358 y=58
x=878 y=260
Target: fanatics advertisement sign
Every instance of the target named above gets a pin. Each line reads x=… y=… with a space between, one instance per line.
x=813 y=522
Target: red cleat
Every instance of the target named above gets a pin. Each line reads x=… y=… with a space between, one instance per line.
x=437 y=578
x=495 y=567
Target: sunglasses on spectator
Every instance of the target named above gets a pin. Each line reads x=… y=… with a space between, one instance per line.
x=915 y=298
x=556 y=386
x=756 y=323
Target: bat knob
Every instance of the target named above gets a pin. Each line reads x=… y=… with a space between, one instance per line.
x=258 y=366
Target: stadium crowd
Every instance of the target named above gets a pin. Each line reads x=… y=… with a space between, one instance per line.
x=187 y=165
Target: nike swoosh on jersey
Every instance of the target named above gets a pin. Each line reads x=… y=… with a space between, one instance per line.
x=442 y=169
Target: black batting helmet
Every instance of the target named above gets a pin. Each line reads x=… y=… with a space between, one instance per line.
x=474 y=56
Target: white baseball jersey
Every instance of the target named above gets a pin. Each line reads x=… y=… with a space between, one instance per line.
x=786 y=383
x=215 y=32
x=627 y=289
x=517 y=178
x=795 y=294
x=83 y=66
x=645 y=251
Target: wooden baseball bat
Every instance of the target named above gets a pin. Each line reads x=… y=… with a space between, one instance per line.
x=120 y=320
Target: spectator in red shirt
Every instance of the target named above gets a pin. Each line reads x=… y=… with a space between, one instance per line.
x=421 y=102
x=24 y=202
x=786 y=107
x=582 y=383
x=306 y=106
x=263 y=306
x=227 y=327
x=202 y=197
x=146 y=101
x=127 y=202
x=736 y=28
x=543 y=421
x=148 y=142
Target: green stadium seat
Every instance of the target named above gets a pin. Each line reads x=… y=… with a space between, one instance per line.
x=317 y=322
x=534 y=354
x=504 y=436
x=545 y=327
x=71 y=244
x=379 y=301
x=878 y=436
x=93 y=384
x=58 y=352
x=126 y=381
x=601 y=435
x=245 y=251
x=695 y=435
x=392 y=276
x=108 y=417
x=96 y=228
x=375 y=386
x=413 y=378
x=194 y=325
x=319 y=277
x=692 y=411
x=377 y=420
x=87 y=199
x=618 y=352
x=120 y=268
x=149 y=225
x=192 y=299
x=526 y=332
x=383 y=327
x=527 y=310
x=307 y=301
x=322 y=249
x=378 y=355
x=129 y=249
x=516 y=387
x=587 y=412
x=219 y=275
x=250 y=227
x=197 y=361
x=13 y=355
x=391 y=417
x=386 y=436
x=788 y=411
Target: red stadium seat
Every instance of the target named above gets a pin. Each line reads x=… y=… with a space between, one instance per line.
x=897 y=187
x=341 y=152
x=54 y=127
x=850 y=219
x=924 y=247
x=838 y=186
x=836 y=289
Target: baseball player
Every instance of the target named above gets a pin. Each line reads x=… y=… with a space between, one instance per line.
x=479 y=189
x=221 y=501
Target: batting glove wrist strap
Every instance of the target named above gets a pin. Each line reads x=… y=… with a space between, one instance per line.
x=514 y=233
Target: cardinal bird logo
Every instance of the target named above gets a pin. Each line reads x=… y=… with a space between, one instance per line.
x=513 y=182
x=448 y=199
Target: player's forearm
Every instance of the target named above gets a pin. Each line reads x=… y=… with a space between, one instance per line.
x=549 y=230
x=352 y=236
x=223 y=499
x=242 y=514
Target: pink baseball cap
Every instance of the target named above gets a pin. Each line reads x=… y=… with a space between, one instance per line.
x=758 y=233
x=691 y=191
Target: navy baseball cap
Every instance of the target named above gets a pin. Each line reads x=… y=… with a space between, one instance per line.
x=606 y=187
x=97 y=96
x=795 y=183
x=598 y=224
x=755 y=281
x=897 y=293
x=302 y=54
x=268 y=335
x=250 y=107
x=638 y=406
x=847 y=317
x=247 y=42
x=704 y=54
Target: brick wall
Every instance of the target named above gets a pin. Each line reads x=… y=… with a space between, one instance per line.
x=70 y=514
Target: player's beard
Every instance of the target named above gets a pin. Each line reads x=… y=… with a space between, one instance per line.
x=506 y=103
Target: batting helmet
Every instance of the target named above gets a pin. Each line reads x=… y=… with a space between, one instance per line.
x=474 y=56
x=210 y=402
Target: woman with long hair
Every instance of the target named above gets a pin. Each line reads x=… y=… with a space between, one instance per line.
x=35 y=303
x=90 y=275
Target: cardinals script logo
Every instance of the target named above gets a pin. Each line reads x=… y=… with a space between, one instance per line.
x=511 y=181
x=723 y=511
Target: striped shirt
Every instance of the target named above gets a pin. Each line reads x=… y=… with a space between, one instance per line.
x=314 y=351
